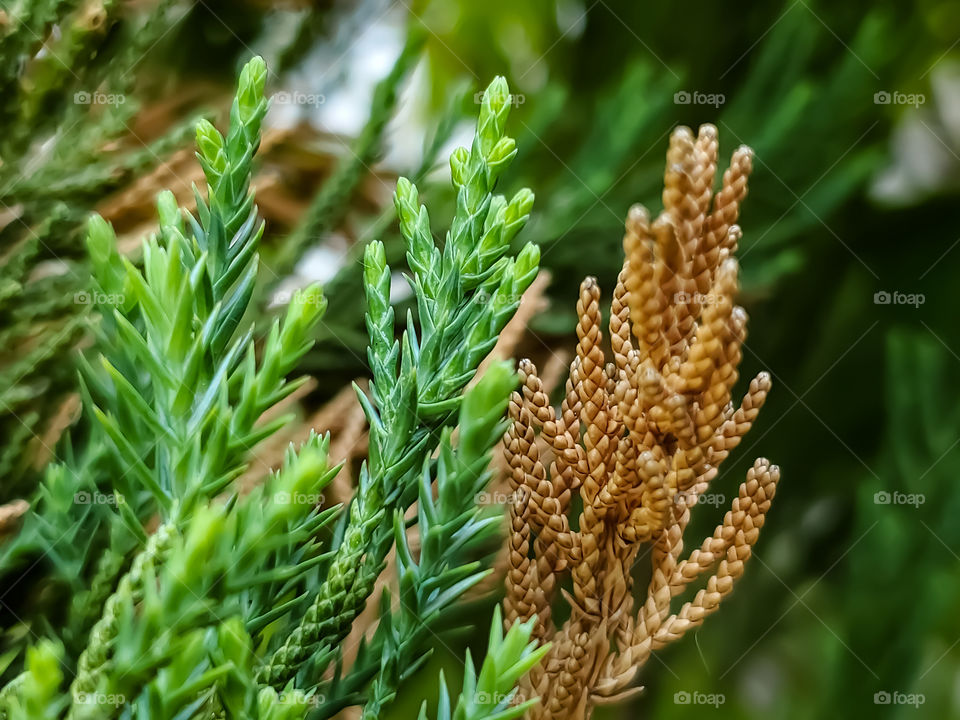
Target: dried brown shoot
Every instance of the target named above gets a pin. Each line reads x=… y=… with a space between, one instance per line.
x=639 y=436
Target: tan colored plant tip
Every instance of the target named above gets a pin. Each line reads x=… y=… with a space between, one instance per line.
x=10 y=515
x=639 y=435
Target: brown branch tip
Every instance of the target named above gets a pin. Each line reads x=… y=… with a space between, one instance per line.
x=639 y=436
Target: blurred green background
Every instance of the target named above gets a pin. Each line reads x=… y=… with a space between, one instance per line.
x=850 y=256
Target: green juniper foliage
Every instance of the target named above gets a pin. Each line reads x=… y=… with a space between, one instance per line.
x=340 y=342
x=452 y=530
x=75 y=78
x=237 y=603
x=66 y=103
x=176 y=392
x=465 y=295
x=492 y=692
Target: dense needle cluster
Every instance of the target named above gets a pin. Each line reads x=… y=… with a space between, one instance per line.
x=638 y=438
x=197 y=596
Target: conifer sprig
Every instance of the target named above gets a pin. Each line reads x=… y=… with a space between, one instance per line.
x=234 y=608
x=465 y=295
x=492 y=694
x=208 y=573
x=639 y=439
x=181 y=388
x=454 y=535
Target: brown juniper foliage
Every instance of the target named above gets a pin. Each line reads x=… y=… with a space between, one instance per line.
x=639 y=438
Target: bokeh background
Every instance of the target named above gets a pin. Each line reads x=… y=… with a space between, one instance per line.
x=850 y=261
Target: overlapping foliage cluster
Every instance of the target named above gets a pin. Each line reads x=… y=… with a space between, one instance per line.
x=799 y=81
x=638 y=440
x=54 y=167
x=74 y=96
x=193 y=598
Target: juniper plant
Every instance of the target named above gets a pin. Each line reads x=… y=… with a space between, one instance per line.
x=67 y=98
x=492 y=693
x=76 y=82
x=237 y=603
x=176 y=391
x=176 y=395
x=640 y=438
x=465 y=294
